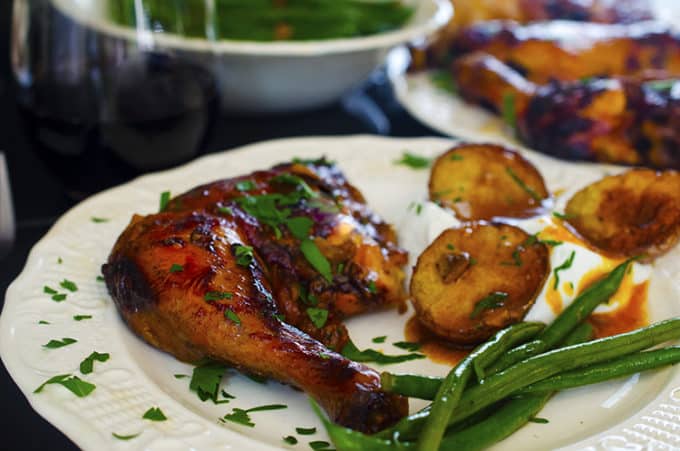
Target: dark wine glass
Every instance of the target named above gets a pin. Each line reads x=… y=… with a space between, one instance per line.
x=100 y=107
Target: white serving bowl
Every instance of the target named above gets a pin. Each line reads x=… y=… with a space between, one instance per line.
x=283 y=76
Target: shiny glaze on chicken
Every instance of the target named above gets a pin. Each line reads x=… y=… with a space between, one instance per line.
x=469 y=13
x=251 y=310
x=571 y=51
x=627 y=119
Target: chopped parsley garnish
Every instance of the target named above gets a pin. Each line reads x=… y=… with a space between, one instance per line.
x=522 y=184
x=244 y=254
x=43 y=322
x=308 y=298
x=68 y=285
x=318 y=316
x=660 y=85
x=49 y=290
x=154 y=414
x=87 y=365
x=300 y=226
x=238 y=416
x=279 y=316
x=176 y=268
x=217 y=296
x=233 y=317
x=451 y=247
x=59 y=297
x=314 y=161
x=551 y=243
x=516 y=259
x=562 y=216
x=226 y=210
x=416 y=206
x=305 y=431
x=351 y=352
x=414 y=161
x=126 y=437
x=456 y=157
x=407 y=345
x=97 y=220
x=315 y=258
x=100 y=278
x=380 y=339
x=54 y=344
x=372 y=288
x=81 y=317
x=296 y=181
x=59 y=260
x=245 y=185
x=241 y=416
x=164 y=200
x=565 y=265
x=205 y=380
x=290 y=440
x=492 y=301
x=539 y=420
x=508 y=110
x=181 y=376
x=74 y=384
x=443 y=80
x=319 y=445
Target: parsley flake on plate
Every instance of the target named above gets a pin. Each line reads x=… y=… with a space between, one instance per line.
x=154 y=414
x=74 y=384
x=54 y=344
x=414 y=161
x=87 y=365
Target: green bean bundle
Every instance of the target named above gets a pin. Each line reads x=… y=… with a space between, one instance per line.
x=264 y=20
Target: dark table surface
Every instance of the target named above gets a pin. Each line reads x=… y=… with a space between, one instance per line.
x=40 y=194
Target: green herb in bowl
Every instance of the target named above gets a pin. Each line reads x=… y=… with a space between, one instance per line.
x=265 y=20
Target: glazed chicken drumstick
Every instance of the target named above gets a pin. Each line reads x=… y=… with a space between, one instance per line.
x=225 y=273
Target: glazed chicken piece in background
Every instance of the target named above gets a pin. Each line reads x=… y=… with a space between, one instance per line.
x=258 y=272
x=629 y=119
x=178 y=281
x=571 y=51
x=471 y=12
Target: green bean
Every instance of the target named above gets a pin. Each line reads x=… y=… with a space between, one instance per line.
x=509 y=418
x=411 y=385
x=582 y=306
x=452 y=387
x=346 y=439
x=259 y=19
x=425 y=387
x=623 y=366
x=540 y=367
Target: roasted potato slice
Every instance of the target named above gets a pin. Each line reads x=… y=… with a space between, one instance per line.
x=486 y=181
x=474 y=280
x=634 y=213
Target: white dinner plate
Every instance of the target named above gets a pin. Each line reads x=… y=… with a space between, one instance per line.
x=637 y=413
x=449 y=114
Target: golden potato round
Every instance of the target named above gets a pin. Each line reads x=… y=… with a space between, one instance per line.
x=486 y=181
x=475 y=280
x=630 y=214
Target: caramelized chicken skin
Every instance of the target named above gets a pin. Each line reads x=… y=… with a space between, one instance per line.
x=241 y=308
x=364 y=257
x=571 y=51
x=469 y=13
